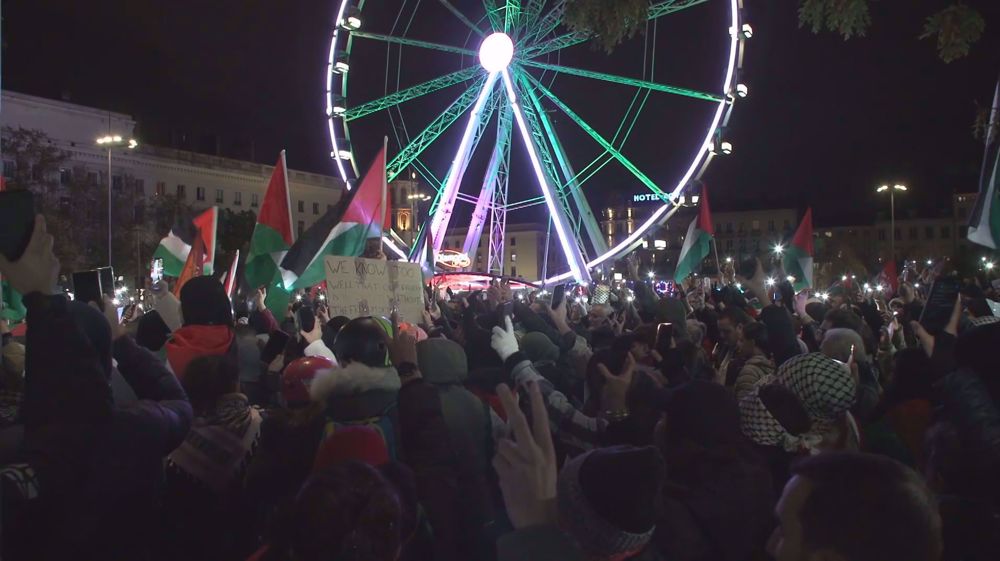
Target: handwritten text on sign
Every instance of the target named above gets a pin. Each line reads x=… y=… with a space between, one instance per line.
x=358 y=287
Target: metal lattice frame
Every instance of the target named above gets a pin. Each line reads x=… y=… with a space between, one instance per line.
x=519 y=99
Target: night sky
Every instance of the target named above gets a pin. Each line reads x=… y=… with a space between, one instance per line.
x=825 y=123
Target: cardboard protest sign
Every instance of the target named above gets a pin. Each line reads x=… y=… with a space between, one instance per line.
x=358 y=287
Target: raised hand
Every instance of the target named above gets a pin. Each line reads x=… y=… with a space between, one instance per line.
x=37 y=270
x=527 y=466
x=615 y=391
x=503 y=341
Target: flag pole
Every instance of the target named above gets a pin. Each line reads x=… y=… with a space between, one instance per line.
x=385 y=185
x=718 y=266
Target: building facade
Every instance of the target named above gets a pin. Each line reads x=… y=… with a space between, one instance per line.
x=524 y=252
x=149 y=171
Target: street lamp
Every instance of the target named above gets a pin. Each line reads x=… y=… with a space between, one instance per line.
x=109 y=143
x=892 y=213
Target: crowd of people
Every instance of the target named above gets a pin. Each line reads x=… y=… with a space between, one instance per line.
x=728 y=421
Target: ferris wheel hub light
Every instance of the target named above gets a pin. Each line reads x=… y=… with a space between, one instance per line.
x=496 y=52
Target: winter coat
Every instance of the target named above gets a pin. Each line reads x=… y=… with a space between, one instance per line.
x=89 y=488
x=193 y=341
x=754 y=369
x=538 y=543
x=357 y=394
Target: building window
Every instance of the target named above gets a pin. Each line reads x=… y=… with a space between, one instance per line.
x=181 y=192
x=139 y=213
x=729 y=227
x=161 y=188
x=302 y=206
x=9 y=167
x=729 y=245
x=117 y=183
x=65 y=175
x=199 y=193
x=238 y=198
x=898 y=234
x=963 y=232
x=513 y=258
x=140 y=188
x=513 y=241
x=513 y=271
x=302 y=227
x=742 y=227
x=254 y=200
x=770 y=225
x=315 y=208
x=946 y=232
x=756 y=225
x=914 y=232
x=92 y=177
x=881 y=234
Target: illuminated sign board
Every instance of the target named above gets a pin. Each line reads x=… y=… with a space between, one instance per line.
x=649 y=198
x=451 y=259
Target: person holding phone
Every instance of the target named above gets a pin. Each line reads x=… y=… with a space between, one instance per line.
x=73 y=427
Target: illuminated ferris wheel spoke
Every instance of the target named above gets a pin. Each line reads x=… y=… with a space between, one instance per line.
x=402 y=96
x=458 y=14
x=430 y=133
x=442 y=214
x=547 y=24
x=487 y=196
x=642 y=177
x=571 y=249
x=585 y=215
x=715 y=98
x=494 y=13
x=413 y=43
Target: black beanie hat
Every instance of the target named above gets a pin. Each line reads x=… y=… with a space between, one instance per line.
x=152 y=332
x=607 y=498
x=362 y=340
x=204 y=302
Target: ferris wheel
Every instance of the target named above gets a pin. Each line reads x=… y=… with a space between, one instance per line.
x=503 y=61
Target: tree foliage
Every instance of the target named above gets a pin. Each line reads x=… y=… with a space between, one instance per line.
x=849 y=18
x=611 y=22
x=957 y=26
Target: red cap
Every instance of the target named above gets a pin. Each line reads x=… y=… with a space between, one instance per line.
x=361 y=443
x=298 y=376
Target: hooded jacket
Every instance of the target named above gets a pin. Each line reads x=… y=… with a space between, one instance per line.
x=754 y=369
x=358 y=394
x=193 y=341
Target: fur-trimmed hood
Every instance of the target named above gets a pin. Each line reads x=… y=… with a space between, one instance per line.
x=353 y=379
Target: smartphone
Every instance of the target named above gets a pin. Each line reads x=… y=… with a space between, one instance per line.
x=506 y=311
x=664 y=337
x=275 y=346
x=87 y=287
x=156 y=271
x=940 y=304
x=107 y=281
x=558 y=295
x=307 y=317
x=17 y=222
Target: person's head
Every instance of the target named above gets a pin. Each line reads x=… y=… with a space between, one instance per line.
x=826 y=388
x=817 y=310
x=839 y=343
x=348 y=512
x=362 y=340
x=442 y=361
x=204 y=302
x=731 y=323
x=298 y=376
x=607 y=499
x=855 y=507
x=598 y=316
x=838 y=297
x=755 y=340
x=539 y=348
x=696 y=331
x=685 y=423
x=842 y=318
x=207 y=379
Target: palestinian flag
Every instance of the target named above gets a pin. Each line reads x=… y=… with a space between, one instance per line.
x=11 y=307
x=272 y=236
x=798 y=258
x=697 y=242
x=174 y=248
x=343 y=230
x=984 y=223
x=192 y=267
